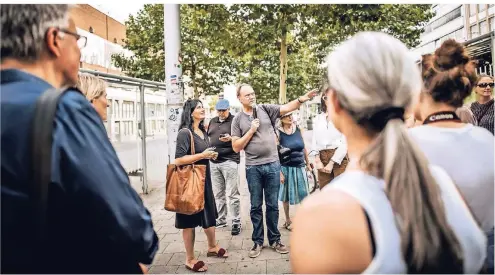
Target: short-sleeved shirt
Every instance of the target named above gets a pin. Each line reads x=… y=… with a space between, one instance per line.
x=262 y=148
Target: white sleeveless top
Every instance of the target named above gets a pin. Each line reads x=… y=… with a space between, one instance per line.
x=369 y=191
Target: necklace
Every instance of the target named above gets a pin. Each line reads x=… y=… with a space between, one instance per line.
x=288 y=131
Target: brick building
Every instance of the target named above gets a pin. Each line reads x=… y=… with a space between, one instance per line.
x=105 y=36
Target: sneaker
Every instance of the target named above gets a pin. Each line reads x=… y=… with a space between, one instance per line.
x=221 y=224
x=280 y=247
x=236 y=229
x=255 y=251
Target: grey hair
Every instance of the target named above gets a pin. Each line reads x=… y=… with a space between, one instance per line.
x=91 y=86
x=371 y=72
x=24 y=28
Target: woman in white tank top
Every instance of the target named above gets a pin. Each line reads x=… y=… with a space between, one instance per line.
x=390 y=212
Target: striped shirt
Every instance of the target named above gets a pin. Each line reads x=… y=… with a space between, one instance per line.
x=484 y=114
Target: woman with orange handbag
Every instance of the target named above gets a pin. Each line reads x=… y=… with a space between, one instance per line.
x=192 y=125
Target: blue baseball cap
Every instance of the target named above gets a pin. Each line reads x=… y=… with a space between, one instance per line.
x=222 y=104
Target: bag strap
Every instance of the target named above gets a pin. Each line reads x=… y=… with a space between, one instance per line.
x=41 y=142
x=193 y=150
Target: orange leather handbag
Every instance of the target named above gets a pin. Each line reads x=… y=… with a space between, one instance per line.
x=185 y=189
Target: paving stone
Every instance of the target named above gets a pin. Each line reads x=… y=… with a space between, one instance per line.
x=162 y=269
x=162 y=259
x=278 y=266
x=241 y=255
x=269 y=254
x=255 y=267
x=162 y=246
x=172 y=237
x=178 y=259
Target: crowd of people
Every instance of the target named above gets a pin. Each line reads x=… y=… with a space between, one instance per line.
x=405 y=168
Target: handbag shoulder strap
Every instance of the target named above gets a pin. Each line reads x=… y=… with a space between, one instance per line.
x=193 y=150
x=41 y=146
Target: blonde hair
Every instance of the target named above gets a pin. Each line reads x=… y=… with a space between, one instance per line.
x=373 y=72
x=91 y=86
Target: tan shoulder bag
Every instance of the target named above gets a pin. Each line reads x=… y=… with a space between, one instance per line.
x=185 y=189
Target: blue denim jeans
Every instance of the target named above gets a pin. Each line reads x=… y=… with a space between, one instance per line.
x=264 y=178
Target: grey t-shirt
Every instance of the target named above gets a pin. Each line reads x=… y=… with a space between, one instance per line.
x=262 y=147
x=466 y=154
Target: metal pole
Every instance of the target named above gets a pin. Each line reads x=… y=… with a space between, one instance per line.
x=143 y=141
x=173 y=74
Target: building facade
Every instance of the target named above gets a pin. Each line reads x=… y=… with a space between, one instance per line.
x=106 y=36
x=470 y=24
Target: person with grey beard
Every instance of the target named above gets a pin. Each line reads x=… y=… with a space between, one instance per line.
x=253 y=131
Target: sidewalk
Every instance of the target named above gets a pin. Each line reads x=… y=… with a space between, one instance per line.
x=171 y=254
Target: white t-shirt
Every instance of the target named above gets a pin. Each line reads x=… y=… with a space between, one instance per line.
x=467 y=154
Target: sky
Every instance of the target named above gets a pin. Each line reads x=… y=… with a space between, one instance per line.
x=117 y=10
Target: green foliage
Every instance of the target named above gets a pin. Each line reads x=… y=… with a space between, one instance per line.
x=202 y=49
x=241 y=43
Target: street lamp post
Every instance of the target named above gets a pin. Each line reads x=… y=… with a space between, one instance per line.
x=173 y=74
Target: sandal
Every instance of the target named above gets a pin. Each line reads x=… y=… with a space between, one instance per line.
x=288 y=226
x=196 y=267
x=219 y=254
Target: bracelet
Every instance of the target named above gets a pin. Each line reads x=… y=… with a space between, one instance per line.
x=299 y=100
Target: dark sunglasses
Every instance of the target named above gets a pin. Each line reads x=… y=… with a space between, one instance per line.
x=484 y=85
x=221 y=111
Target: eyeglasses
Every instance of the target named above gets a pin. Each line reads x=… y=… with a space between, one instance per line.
x=81 y=40
x=484 y=85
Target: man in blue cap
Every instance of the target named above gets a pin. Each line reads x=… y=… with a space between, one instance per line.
x=225 y=169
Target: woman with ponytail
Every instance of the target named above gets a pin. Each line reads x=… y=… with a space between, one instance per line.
x=465 y=151
x=390 y=212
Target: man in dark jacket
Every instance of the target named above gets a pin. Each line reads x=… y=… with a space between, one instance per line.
x=95 y=221
x=225 y=169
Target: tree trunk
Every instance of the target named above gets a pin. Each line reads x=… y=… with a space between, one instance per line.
x=193 y=79
x=282 y=98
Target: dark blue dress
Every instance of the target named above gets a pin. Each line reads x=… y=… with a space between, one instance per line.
x=295 y=187
x=206 y=218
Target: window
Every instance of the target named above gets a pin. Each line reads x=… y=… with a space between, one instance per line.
x=483 y=27
x=474 y=31
x=492 y=24
x=117 y=109
x=481 y=7
x=491 y=5
x=472 y=9
x=443 y=20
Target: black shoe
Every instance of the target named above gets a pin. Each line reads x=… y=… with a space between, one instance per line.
x=236 y=229
x=221 y=225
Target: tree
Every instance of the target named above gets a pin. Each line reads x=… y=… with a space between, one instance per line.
x=301 y=36
x=202 y=49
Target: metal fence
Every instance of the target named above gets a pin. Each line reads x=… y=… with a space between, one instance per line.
x=141 y=147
